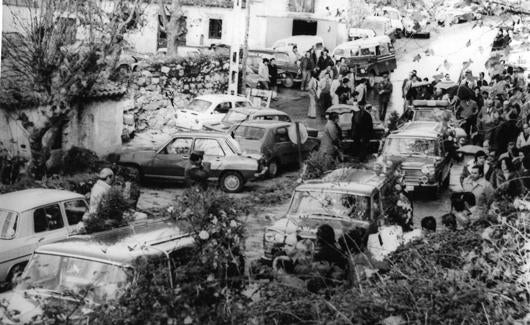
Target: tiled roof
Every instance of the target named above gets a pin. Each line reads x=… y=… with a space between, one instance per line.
x=208 y=3
x=106 y=90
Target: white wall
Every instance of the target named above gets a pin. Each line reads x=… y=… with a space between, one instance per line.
x=144 y=40
x=13 y=18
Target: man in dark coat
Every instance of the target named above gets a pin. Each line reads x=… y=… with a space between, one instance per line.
x=197 y=172
x=324 y=60
x=362 y=127
x=384 y=89
x=306 y=66
x=506 y=133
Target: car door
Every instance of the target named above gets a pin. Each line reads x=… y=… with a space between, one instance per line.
x=213 y=154
x=285 y=151
x=170 y=162
x=218 y=112
x=74 y=211
x=48 y=226
x=445 y=164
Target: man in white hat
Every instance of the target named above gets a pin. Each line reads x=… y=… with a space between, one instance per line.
x=102 y=187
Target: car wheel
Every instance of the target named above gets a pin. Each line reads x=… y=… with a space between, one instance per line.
x=134 y=172
x=231 y=182
x=273 y=169
x=14 y=272
x=288 y=82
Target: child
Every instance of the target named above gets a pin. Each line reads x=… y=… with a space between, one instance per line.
x=428 y=225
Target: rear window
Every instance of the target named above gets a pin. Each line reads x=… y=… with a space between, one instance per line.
x=8 y=224
x=199 y=105
x=249 y=133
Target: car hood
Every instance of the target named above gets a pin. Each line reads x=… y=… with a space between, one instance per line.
x=139 y=157
x=306 y=227
x=219 y=127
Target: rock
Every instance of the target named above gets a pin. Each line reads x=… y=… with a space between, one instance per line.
x=164 y=70
x=153 y=106
x=141 y=82
x=147 y=73
x=128 y=119
x=155 y=81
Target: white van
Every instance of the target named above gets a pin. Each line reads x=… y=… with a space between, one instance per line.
x=303 y=42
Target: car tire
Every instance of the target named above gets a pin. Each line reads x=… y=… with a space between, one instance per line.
x=231 y=182
x=274 y=168
x=14 y=272
x=136 y=172
x=288 y=82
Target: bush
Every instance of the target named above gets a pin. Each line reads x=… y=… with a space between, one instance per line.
x=79 y=160
x=317 y=164
x=110 y=212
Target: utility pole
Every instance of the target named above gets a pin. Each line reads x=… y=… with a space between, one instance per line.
x=233 y=77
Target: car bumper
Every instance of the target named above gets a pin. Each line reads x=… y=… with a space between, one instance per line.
x=262 y=173
x=414 y=186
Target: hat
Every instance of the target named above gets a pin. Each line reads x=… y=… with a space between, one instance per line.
x=105 y=172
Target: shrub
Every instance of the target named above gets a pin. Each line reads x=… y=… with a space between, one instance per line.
x=79 y=160
x=110 y=212
x=317 y=164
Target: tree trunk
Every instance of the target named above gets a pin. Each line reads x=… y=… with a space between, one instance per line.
x=243 y=85
x=172 y=24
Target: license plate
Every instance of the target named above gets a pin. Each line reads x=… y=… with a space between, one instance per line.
x=409 y=188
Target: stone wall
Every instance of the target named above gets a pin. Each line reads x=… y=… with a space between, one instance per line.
x=162 y=88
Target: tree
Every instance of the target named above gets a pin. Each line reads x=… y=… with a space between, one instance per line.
x=50 y=70
x=174 y=24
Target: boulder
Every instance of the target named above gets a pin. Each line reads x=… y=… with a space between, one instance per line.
x=147 y=74
x=165 y=70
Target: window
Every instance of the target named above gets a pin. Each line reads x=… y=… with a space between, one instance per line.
x=223 y=108
x=47 y=218
x=179 y=146
x=8 y=224
x=21 y=3
x=249 y=133
x=210 y=147
x=74 y=211
x=215 y=29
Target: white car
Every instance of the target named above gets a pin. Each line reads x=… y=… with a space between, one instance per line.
x=30 y=218
x=207 y=109
x=395 y=18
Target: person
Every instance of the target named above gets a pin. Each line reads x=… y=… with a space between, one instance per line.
x=481 y=82
x=100 y=189
x=401 y=212
x=324 y=92
x=523 y=139
x=428 y=225
x=342 y=67
x=438 y=94
x=273 y=73
x=362 y=127
x=480 y=159
x=335 y=84
x=196 y=172
x=306 y=66
x=449 y=222
x=324 y=61
x=460 y=211
x=331 y=139
x=466 y=110
x=343 y=91
x=328 y=258
x=385 y=92
x=468 y=80
x=263 y=74
x=312 y=89
x=506 y=133
x=478 y=185
x=361 y=92
x=507 y=179
x=295 y=55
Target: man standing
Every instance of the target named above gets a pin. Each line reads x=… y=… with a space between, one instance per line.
x=332 y=137
x=102 y=187
x=306 y=67
x=385 y=91
x=480 y=160
x=478 y=185
x=467 y=110
x=362 y=128
x=197 y=172
x=273 y=73
x=263 y=74
x=343 y=91
x=324 y=61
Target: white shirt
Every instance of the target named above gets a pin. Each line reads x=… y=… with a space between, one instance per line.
x=522 y=141
x=96 y=194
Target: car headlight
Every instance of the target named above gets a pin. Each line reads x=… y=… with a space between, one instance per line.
x=427 y=170
x=363 y=71
x=424 y=179
x=272 y=236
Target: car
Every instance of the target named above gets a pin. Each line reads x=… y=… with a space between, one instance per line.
x=416 y=24
x=345 y=199
x=303 y=42
x=370 y=57
x=420 y=148
x=33 y=217
x=345 y=113
x=456 y=12
x=271 y=139
x=287 y=67
x=438 y=111
x=382 y=26
x=359 y=33
x=207 y=109
x=395 y=18
x=103 y=261
x=228 y=165
x=237 y=115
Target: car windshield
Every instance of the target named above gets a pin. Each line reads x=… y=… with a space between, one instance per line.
x=249 y=133
x=435 y=114
x=199 y=105
x=234 y=116
x=8 y=224
x=234 y=145
x=59 y=274
x=410 y=146
x=332 y=204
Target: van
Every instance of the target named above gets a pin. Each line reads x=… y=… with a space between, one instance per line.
x=303 y=42
x=371 y=57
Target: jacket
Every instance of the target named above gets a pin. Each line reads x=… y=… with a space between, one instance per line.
x=513 y=183
x=331 y=139
x=362 y=125
x=386 y=88
x=522 y=141
x=481 y=188
x=466 y=171
x=96 y=195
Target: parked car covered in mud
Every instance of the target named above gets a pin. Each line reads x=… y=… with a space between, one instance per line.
x=34 y=217
x=228 y=165
x=101 y=263
x=238 y=115
x=271 y=139
x=421 y=149
x=345 y=199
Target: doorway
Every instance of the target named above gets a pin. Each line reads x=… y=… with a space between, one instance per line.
x=304 y=27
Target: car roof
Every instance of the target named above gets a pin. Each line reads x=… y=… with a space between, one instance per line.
x=429 y=104
x=349 y=180
x=429 y=129
x=259 y=111
x=122 y=246
x=266 y=124
x=24 y=200
x=266 y=51
x=216 y=97
x=207 y=134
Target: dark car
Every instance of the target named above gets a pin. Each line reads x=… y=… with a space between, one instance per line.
x=270 y=138
x=287 y=68
x=229 y=166
x=420 y=148
x=345 y=116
